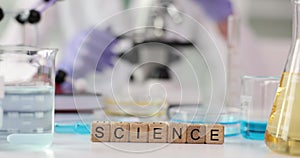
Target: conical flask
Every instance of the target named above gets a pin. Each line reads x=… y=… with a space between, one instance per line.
x=283 y=130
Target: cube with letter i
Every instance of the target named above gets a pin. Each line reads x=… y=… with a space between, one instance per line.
x=138 y=132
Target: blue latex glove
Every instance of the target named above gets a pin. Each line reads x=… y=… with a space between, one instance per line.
x=87 y=51
x=217 y=10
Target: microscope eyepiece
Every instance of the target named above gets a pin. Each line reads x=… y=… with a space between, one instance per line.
x=1 y=14
x=34 y=16
x=60 y=77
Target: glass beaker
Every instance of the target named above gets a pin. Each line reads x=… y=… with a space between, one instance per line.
x=27 y=103
x=283 y=130
x=258 y=93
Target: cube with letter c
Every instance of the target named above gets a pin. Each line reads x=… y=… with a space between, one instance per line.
x=196 y=134
x=119 y=132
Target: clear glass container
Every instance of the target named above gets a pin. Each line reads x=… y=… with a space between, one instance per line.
x=258 y=93
x=283 y=130
x=27 y=100
x=199 y=114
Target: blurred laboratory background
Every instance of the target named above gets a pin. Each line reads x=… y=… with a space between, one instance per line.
x=270 y=21
x=147 y=60
x=172 y=57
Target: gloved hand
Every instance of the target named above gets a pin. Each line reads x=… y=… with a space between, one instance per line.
x=88 y=51
x=217 y=10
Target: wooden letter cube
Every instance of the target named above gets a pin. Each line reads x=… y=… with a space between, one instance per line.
x=196 y=134
x=177 y=133
x=158 y=132
x=138 y=132
x=119 y=132
x=214 y=134
x=100 y=131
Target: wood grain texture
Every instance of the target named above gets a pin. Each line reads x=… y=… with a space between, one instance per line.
x=177 y=133
x=214 y=134
x=119 y=132
x=100 y=131
x=158 y=132
x=196 y=134
x=139 y=132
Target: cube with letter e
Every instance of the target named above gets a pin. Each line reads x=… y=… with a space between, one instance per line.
x=158 y=132
x=214 y=134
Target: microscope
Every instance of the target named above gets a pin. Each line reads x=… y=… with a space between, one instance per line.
x=153 y=51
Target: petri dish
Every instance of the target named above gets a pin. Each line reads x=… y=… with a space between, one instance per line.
x=198 y=114
x=137 y=107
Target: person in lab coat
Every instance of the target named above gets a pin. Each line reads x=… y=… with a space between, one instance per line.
x=217 y=10
x=62 y=27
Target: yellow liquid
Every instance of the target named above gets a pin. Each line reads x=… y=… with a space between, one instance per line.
x=283 y=130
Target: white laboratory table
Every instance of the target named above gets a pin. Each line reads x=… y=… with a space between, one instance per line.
x=79 y=146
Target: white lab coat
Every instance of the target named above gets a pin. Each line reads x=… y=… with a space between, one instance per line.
x=61 y=22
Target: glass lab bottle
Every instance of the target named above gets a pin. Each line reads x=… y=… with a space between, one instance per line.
x=26 y=96
x=283 y=130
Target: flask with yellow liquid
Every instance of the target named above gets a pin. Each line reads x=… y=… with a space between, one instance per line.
x=283 y=130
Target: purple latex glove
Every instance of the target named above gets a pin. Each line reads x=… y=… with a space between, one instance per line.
x=217 y=10
x=88 y=51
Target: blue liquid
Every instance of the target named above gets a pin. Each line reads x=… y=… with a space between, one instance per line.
x=78 y=128
x=230 y=122
x=253 y=130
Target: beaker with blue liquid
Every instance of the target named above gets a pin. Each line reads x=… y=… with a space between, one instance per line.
x=258 y=93
x=26 y=96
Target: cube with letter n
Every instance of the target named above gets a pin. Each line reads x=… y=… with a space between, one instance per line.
x=177 y=133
